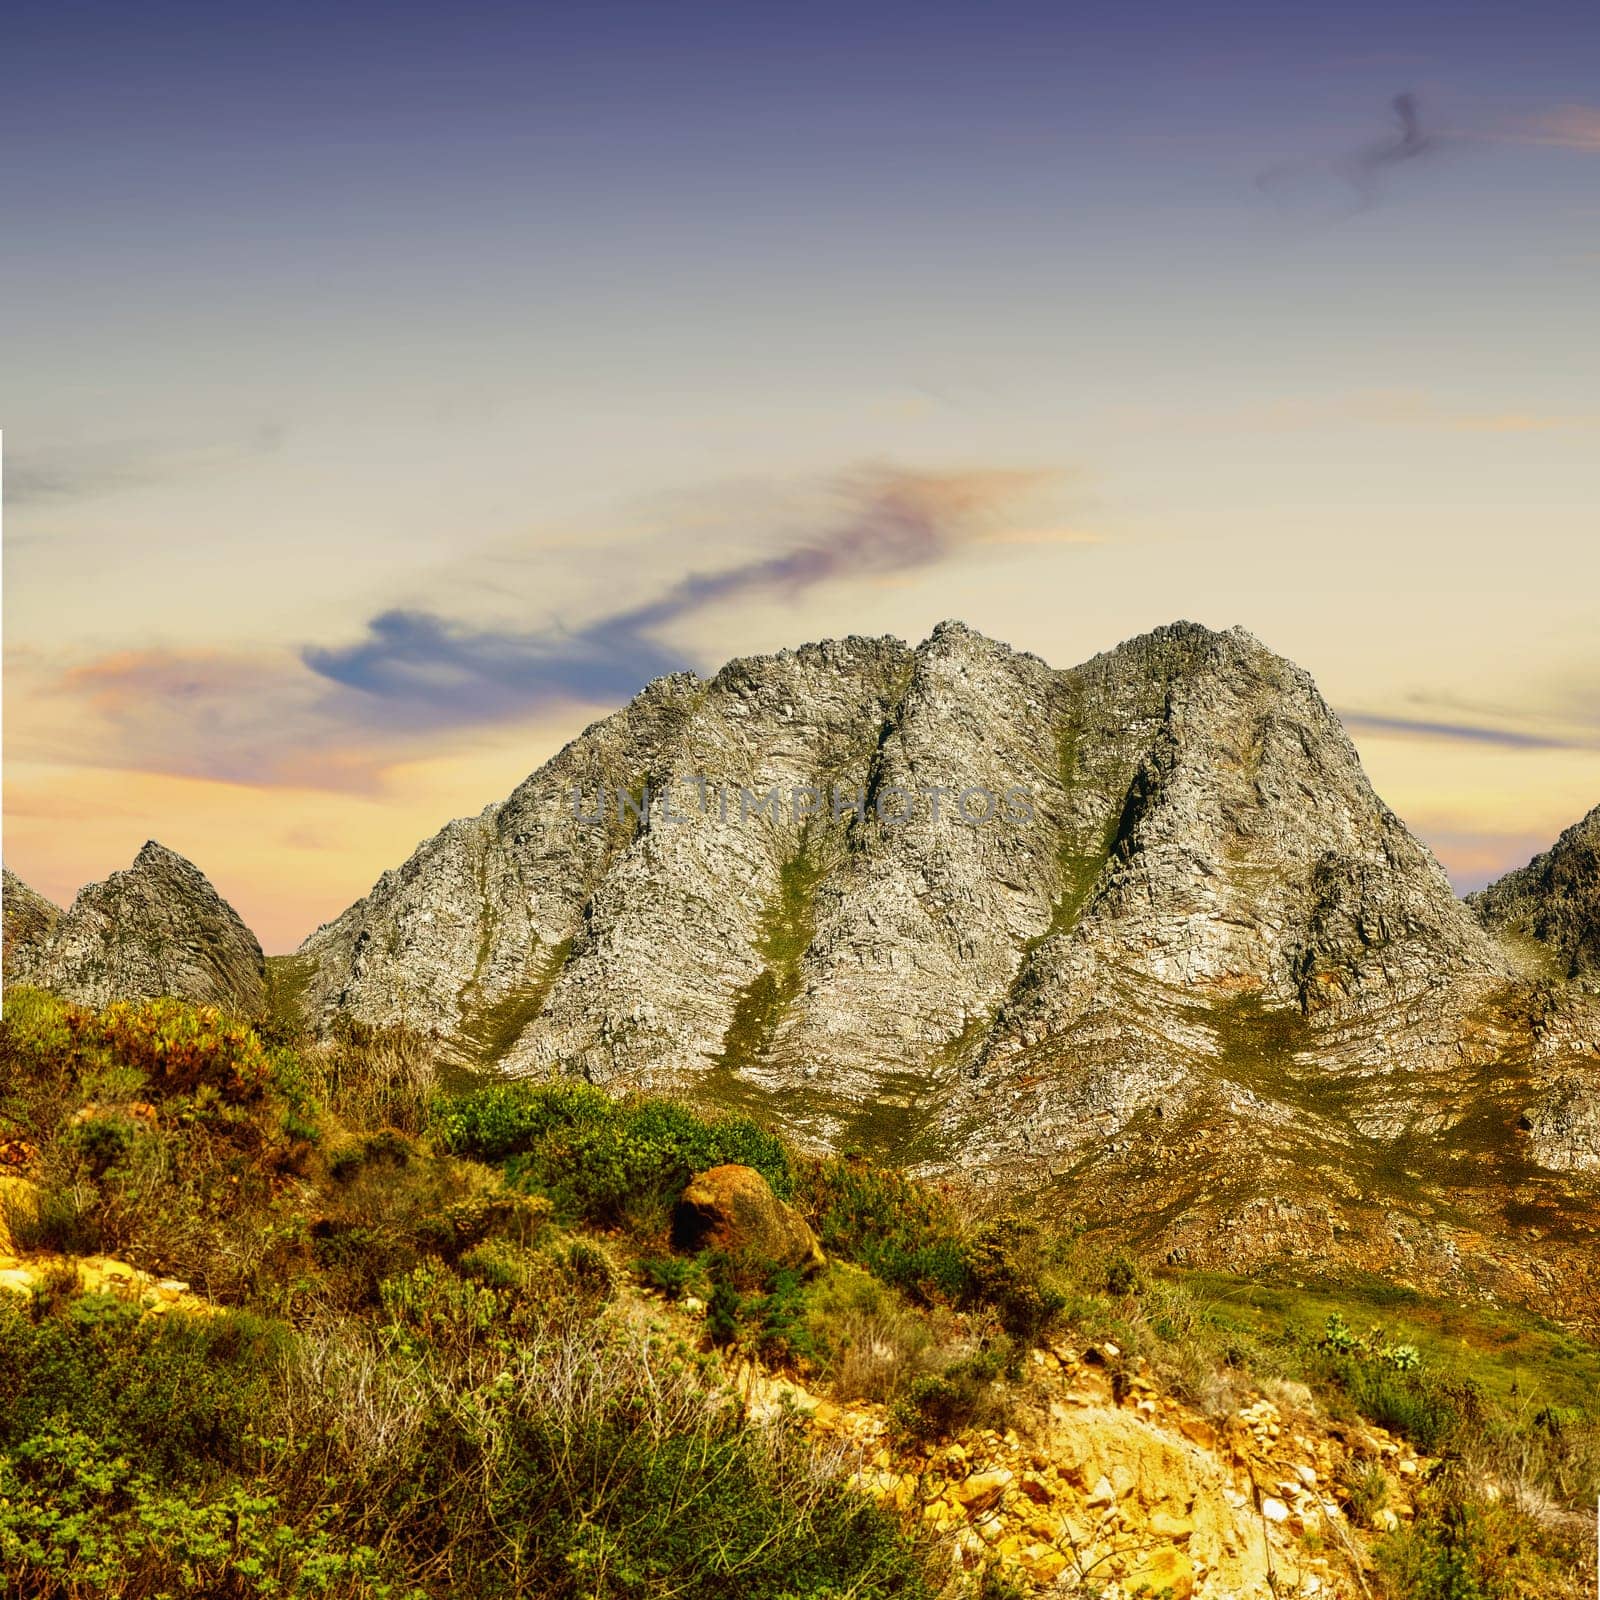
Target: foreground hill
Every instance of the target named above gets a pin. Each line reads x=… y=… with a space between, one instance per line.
x=1191 y=972
x=156 y=928
x=278 y=1319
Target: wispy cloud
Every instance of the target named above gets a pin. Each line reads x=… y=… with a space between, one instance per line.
x=1460 y=732
x=1361 y=173
x=1363 y=408
x=418 y=668
x=254 y=718
x=84 y=472
x=342 y=717
x=1569 y=127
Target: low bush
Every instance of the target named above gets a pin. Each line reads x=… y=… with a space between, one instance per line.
x=966 y=1394
x=604 y=1161
x=179 y=1393
x=1457 y=1549
x=374 y=1077
x=869 y=1341
x=78 y=1518
x=903 y=1232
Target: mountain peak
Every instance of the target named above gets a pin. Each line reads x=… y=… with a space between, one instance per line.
x=1554 y=900
x=1187 y=809
x=157 y=927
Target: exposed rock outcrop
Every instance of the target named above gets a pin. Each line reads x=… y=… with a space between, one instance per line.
x=1184 y=810
x=1111 y=1484
x=28 y=918
x=732 y=1209
x=157 y=928
x=1555 y=900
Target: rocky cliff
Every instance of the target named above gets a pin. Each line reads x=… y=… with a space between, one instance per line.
x=957 y=840
x=28 y=918
x=1138 y=930
x=157 y=928
x=1554 y=900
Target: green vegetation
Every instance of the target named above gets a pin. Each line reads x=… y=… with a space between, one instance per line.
x=448 y=1355
x=420 y=1384
x=491 y=1028
x=785 y=935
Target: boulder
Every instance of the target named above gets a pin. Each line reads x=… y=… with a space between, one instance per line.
x=732 y=1209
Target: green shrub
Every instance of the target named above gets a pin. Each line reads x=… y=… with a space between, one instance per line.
x=180 y=1393
x=961 y=1396
x=723 y=1311
x=870 y=1341
x=901 y=1231
x=674 y=1276
x=76 y=1518
x=1123 y=1277
x=606 y=1161
x=1458 y=1550
x=1366 y=1492
x=1007 y=1263
x=782 y=1326
x=101 y=1142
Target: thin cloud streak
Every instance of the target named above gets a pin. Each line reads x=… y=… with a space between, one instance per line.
x=342 y=718
x=1364 y=170
x=1569 y=127
x=1463 y=732
x=59 y=477
x=417 y=669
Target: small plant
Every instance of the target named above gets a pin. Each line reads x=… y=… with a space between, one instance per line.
x=1366 y=1493
x=674 y=1276
x=945 y=1403
x=1123 y=1278
x=723 y=1311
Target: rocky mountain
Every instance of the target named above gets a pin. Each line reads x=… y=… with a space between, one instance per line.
x=157 y=928
x=28 y=918
x=1554 y=900
x=1138 y=932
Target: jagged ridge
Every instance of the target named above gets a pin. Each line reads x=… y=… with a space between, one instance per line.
x=156 y=928
x=1555 y=899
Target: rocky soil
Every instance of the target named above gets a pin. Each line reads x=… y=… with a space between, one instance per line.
x=157 y=928
x=1107 y=1484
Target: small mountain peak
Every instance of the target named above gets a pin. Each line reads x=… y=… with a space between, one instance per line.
x=158 y=927
x=28 y=918
x=1554 y=900
x=153 y=855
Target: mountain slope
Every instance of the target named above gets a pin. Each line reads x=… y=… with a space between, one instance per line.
x=1555 y=899
x=156 y=928
x=28 y=919
x=1192 y=974
x=1195 y=817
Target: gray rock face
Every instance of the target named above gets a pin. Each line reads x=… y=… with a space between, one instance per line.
x=158 y=928
x=1555 y=900
x=28 y=919
x=1563 y=1124
x=1182 y=815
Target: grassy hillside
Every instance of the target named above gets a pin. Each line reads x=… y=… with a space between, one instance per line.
x=450 y=1349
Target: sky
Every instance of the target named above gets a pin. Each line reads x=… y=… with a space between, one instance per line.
x=388 y=392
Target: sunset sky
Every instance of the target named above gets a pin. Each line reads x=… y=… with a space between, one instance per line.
x=389 y=391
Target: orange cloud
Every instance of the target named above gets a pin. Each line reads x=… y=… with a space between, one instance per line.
x=1570 y=127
